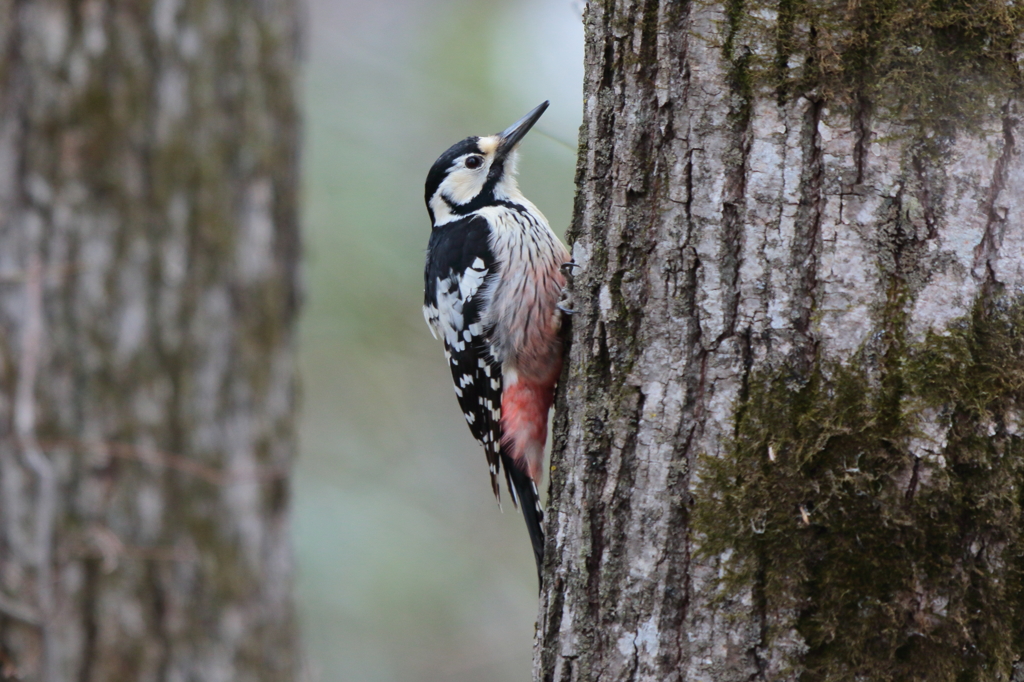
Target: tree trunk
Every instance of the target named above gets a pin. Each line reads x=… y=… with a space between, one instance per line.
x=788 y=441
x=148 y=247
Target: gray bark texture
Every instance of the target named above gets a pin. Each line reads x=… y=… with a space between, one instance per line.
x=148 y=254
x=787 y=438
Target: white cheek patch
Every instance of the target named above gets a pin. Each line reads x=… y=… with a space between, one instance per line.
x=463 y=184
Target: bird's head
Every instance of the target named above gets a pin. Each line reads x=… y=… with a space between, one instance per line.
x=477 y=172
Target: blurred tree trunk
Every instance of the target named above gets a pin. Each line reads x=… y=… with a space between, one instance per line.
x=148 y=248
x=788 y=443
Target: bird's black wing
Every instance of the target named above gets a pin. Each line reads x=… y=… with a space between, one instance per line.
x=460 y=265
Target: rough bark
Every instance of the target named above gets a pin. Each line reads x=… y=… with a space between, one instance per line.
x=148 y=247
x=749 y=253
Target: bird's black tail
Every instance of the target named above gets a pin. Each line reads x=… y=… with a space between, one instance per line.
x=524 y=491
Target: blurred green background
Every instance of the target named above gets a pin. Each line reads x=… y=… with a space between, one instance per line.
x=407 y=571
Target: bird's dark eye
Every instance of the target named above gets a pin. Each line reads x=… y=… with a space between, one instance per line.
x=474 y=162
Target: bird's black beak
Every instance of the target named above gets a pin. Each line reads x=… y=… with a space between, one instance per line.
x=511 y=136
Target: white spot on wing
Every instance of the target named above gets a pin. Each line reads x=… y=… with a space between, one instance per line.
x=430 y=315
x=515 y=496
x=449 y=311
x=470 y=281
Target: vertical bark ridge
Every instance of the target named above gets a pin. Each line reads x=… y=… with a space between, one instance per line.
x=995 y=223
x=861 y=123
x=805 y=242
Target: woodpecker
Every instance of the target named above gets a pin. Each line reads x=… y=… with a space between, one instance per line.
x=493 y=286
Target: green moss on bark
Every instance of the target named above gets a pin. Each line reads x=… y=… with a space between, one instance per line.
x=876 y=506
x=941 y=64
